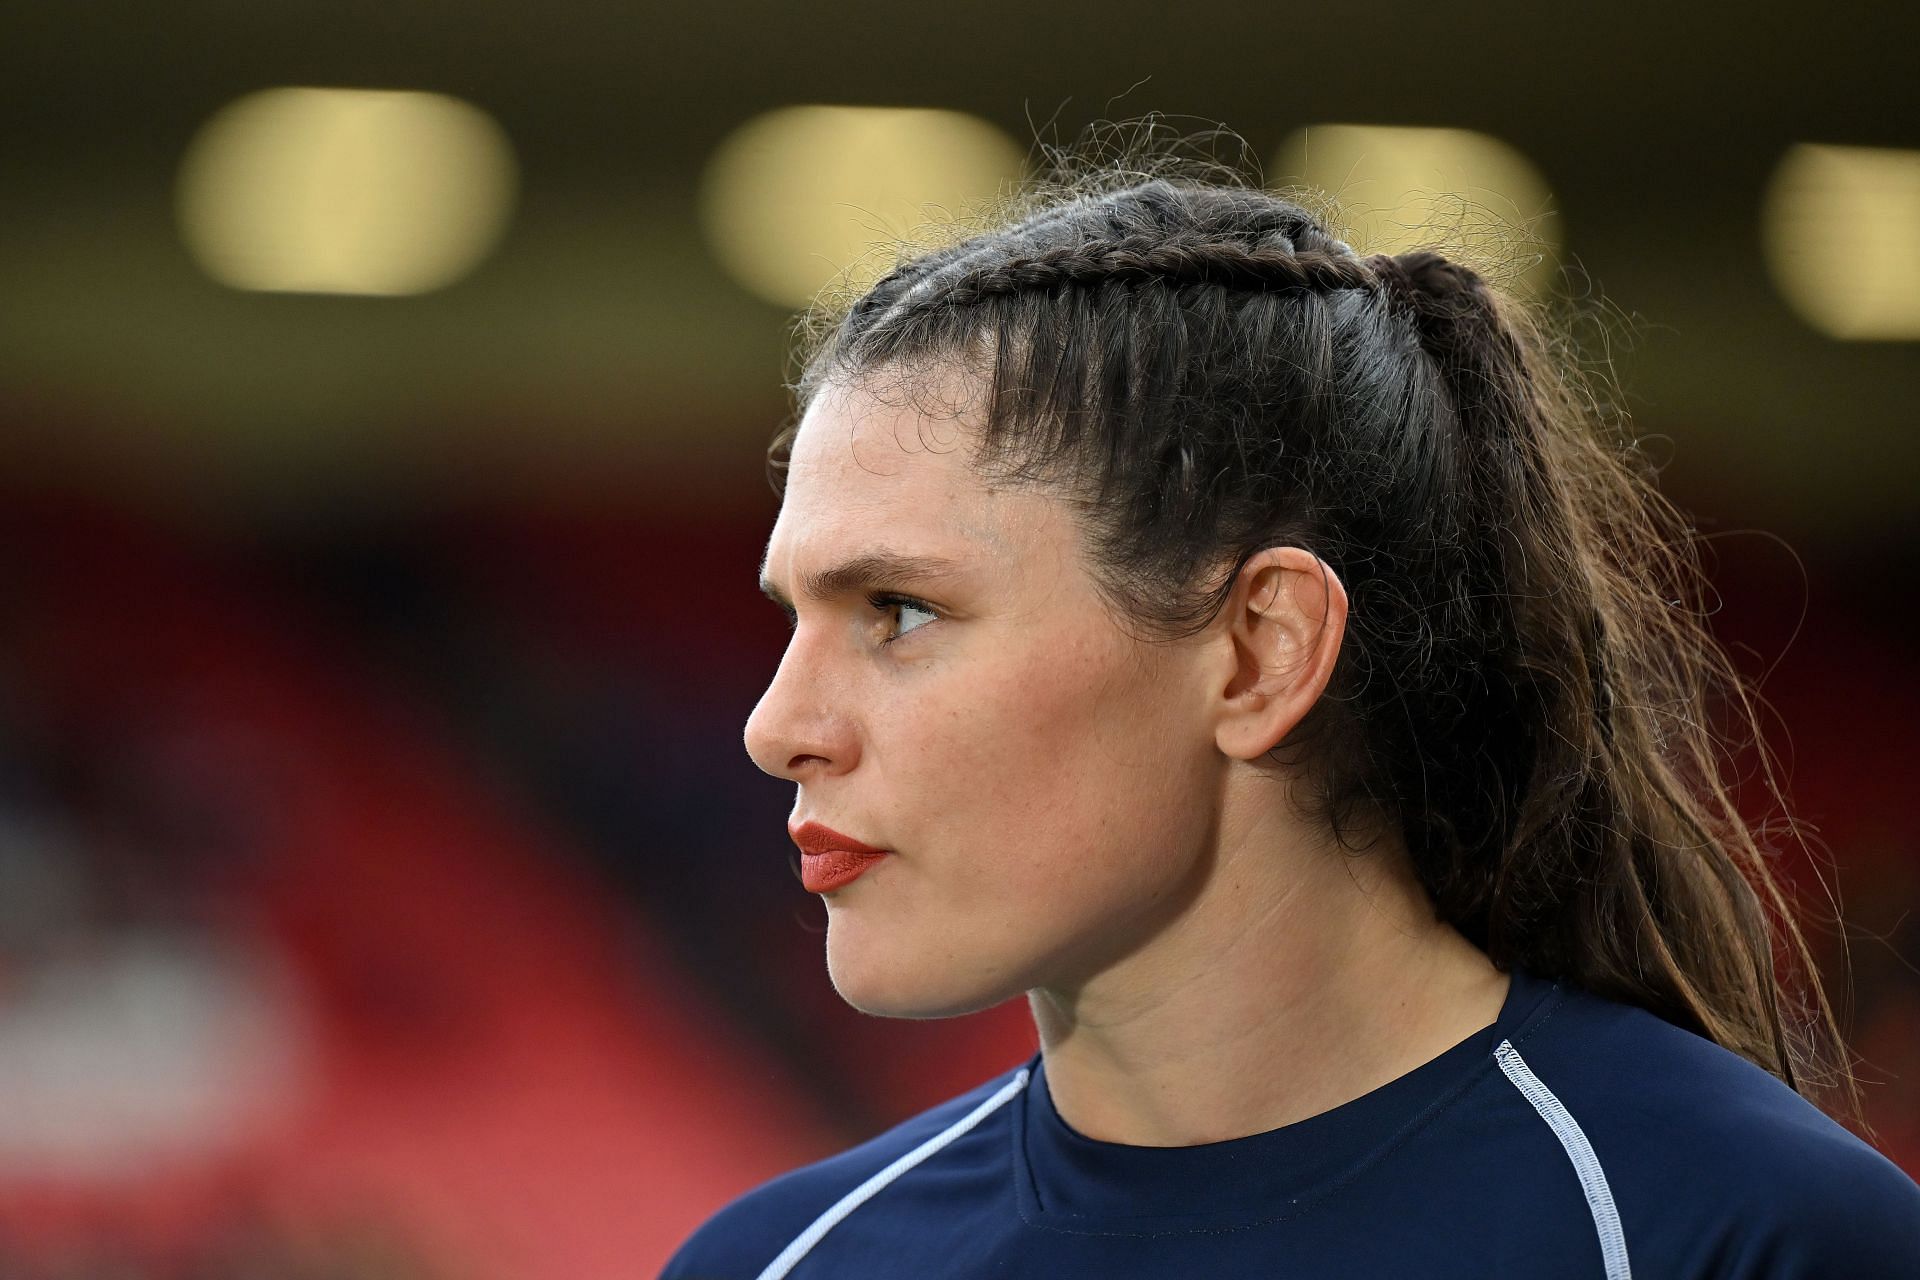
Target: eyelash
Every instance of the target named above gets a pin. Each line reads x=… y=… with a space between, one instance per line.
x=884 y=600
x=880 y=601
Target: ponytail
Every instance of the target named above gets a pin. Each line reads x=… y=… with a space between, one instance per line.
x=1627 y=867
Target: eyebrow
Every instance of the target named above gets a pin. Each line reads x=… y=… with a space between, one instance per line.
x=862 y=573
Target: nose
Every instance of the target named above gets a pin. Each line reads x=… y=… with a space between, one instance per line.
x=797 y=731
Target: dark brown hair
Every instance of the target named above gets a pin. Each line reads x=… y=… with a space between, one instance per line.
x=1527 y=688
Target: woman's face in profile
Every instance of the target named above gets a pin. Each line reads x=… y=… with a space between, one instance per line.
x=1047 y=785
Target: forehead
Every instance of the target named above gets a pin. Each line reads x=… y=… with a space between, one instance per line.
x=864 y=468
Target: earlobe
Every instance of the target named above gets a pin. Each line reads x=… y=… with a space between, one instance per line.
x=1284 y=621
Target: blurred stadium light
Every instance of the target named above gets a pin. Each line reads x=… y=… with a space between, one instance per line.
x=345 y=191
x=796 y=196
x=1842 y=234
x=1402 y=188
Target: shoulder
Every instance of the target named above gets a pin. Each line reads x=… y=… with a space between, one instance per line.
x=751 y=1230
x=1713 y=1160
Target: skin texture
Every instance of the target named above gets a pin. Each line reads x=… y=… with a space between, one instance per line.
x=1082 y=816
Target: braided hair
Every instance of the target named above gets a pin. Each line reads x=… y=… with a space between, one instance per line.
x=1203 y=371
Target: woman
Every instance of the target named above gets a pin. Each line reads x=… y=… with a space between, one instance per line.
x=1253 y=653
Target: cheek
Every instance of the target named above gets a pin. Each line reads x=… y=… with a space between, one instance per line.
x=1050 y=806
x=1048 y=764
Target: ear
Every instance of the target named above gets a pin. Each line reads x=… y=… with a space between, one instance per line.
x=1280 y=633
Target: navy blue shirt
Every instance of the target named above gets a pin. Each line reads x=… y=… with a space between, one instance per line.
x=1574 y=1137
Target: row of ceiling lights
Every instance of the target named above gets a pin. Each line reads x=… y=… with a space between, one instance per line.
x=392 y=192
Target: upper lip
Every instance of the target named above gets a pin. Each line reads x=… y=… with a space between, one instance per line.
x=815 y=837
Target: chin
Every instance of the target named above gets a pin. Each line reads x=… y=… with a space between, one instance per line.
x=884 y=989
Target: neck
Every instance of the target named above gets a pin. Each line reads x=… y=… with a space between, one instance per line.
x=1299 y=978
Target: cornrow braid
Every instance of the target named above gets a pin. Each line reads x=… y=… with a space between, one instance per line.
x=886 y=291
x=1176 y=261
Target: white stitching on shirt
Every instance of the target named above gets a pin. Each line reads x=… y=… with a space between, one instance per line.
x=790 y=1256
x=1593 y=1179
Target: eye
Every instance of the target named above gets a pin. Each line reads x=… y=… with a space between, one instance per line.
x=905 y=607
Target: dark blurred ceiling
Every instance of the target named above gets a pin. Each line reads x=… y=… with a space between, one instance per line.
x=1677 y=91
x=601 y=327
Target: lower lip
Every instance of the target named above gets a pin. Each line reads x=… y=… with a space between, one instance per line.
x=825 y=872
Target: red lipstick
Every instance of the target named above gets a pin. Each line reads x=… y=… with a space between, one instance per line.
x=828 y=859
